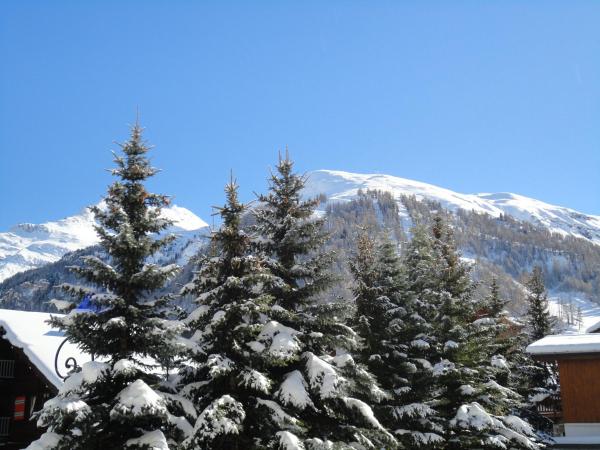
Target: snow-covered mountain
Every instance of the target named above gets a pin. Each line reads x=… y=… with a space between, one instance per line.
x=26 y=246
x=506 y=249
x=344 y=186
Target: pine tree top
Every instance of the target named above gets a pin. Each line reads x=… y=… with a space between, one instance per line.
x=230 y=237
x=291 y=237
x=285 y=188
x=129 y=224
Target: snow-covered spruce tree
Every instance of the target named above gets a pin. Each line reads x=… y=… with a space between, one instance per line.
x=292 y=238
x=500 y=337
x=503 y=340
x=477 y=410
x=393 y=344
x=506 y=342
x=540 y=380
x=367 y=292
x=513 y=367
x=543 y=379
x=253 y=380
x=115 y=401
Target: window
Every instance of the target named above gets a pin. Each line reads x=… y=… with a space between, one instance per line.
x=19 y=408
x=4 y=426
x=7 y=368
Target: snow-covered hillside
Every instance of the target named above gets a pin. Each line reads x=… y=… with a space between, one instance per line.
x=560 y=303
x=28 y=245
x=342 y=186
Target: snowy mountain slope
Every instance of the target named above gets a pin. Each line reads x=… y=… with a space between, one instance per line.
x=343 y=186
x=590 y=311
x=26 y=246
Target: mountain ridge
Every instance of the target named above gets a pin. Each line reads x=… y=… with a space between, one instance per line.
x=26 y=246
x=342 y=186
x=500 y=245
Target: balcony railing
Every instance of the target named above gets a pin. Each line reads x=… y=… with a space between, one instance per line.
x=7 y=368
x=4 y=426
x=551 y=407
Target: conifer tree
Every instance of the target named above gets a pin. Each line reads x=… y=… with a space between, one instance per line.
x=540 y=381
x=116 y=401
x=227 y=380
x=495 y=304
x=476 y=409
x=292 y=238
x=511 y=365
x=255 y=381
x=499 y=338
x=540 y=322
x=374 y=283
x=393 y=343
x=507 y=345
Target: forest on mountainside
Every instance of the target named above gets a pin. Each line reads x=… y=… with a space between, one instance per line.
x=503 y=247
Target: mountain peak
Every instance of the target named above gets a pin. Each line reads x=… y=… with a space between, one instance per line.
x=29 y=245
x=183 y=218
x=343 y=186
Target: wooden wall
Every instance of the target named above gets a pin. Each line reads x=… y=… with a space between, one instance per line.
x=27 y=382
x=580 y=390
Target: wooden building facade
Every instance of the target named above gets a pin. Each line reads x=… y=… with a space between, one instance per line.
x=28 y=373
x=23 y=390
x=577 y=423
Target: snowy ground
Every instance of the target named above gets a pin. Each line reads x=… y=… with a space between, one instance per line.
x=590 y=310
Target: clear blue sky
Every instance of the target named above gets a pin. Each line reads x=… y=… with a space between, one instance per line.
x=473 y=96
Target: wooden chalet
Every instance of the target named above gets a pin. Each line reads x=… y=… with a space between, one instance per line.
x=577 y=412
x=27 y=373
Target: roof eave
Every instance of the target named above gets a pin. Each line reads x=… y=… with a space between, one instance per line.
x=561 y=356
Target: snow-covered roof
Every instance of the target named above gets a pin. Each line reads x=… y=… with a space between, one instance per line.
x=30 y=332
x=559 y=344
x=579 y=441
x=594 y=328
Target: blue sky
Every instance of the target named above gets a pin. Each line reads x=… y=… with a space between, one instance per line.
x=473 y=96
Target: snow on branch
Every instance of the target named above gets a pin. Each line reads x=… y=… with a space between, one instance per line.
x=223 y=416
x=323 y=377
x=138 y=399
x=293 y=391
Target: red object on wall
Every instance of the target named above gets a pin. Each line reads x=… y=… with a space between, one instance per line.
x=19 y=408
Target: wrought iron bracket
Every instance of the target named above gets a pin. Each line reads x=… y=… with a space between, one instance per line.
x=70 y=363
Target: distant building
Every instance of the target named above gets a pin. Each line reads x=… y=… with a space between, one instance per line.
x=27 y=373
x=578 y=358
